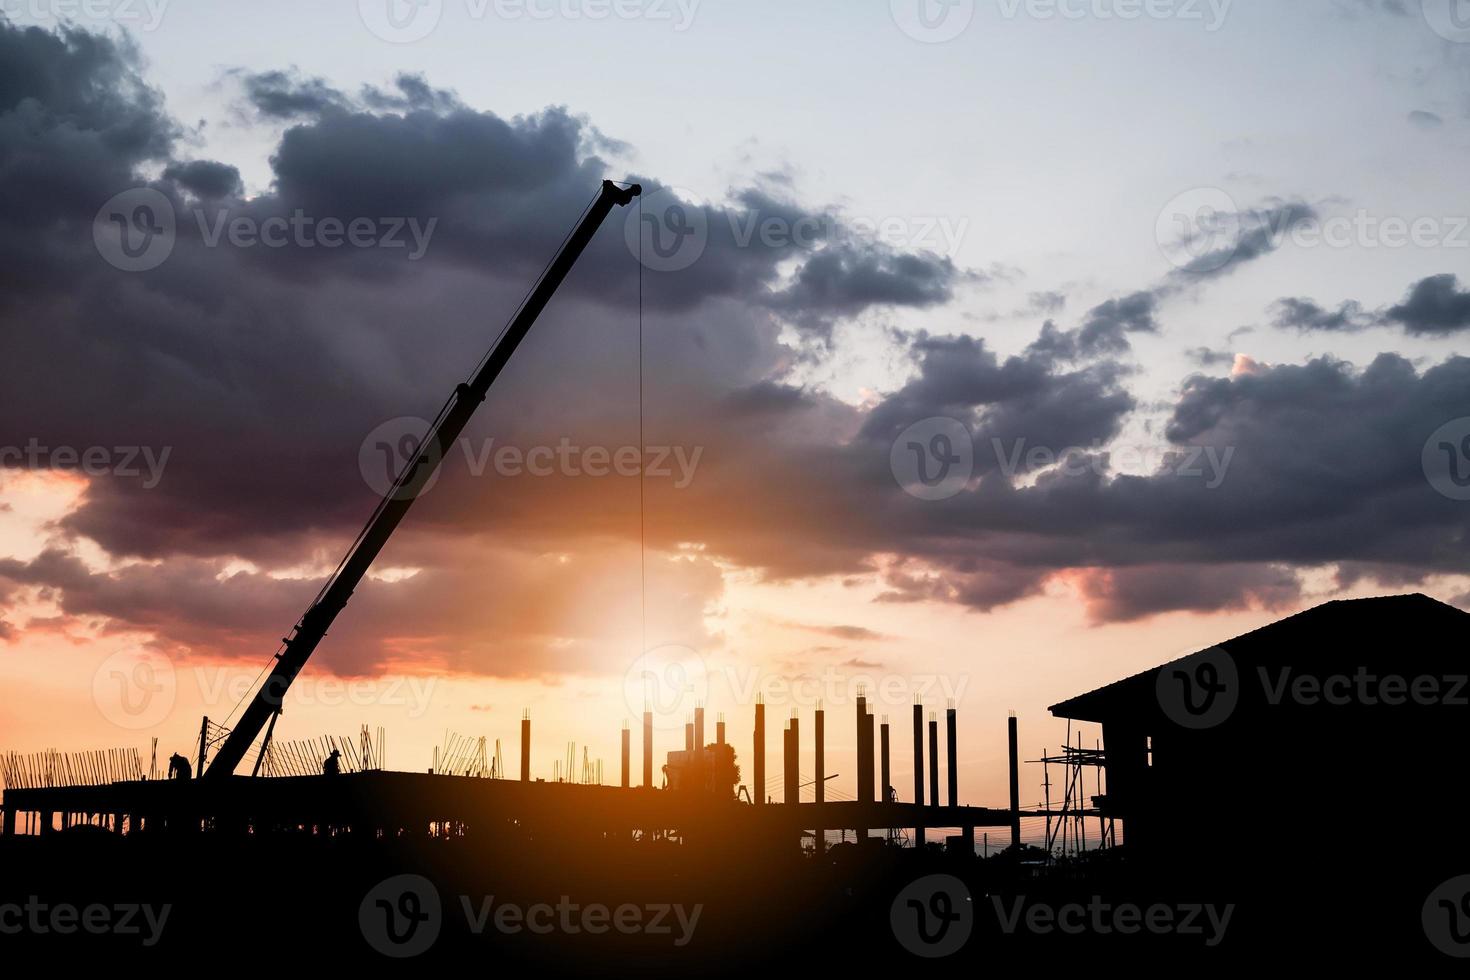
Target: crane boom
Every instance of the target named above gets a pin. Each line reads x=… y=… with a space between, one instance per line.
x=442 y=434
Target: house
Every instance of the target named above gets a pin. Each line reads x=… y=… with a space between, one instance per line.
x=1334 y=732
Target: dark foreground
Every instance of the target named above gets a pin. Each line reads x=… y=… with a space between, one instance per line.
x=658 y=908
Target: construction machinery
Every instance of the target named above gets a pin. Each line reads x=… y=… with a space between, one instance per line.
x=298 y=647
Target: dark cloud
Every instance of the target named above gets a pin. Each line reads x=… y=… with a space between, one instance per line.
x=1320 y=448
x=767 y=398
x=205 y=178
x=76 y=119
x=843 y=280
x=288 y=95
x=410 y=91
x=1240 y=332
x=1351 y=574
x=840 y=269
x=1284 y=467
x=1125 y=594
x=1304 y=314
x=1435 y=305
x=1236 y=239
x=1022 y=399
x=1104 y=330
x=1426 y=120
x=978 y=583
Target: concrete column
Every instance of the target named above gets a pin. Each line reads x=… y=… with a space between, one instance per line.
x=919 y=754
x=789 y=779
x=795 y=759
x=526 y=748
x=758 y=763
x=699 y=727
x=883 y=768
x=821 y=772
x=627 y=756
x=647 y=748
x=952 y=743
x=934 y=758
x=1015 y=782
x=868 y=742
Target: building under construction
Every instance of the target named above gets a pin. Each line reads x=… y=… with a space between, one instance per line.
x=695 y=800
x=760 y=865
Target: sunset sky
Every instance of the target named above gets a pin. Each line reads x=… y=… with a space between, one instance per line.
x=1191 y=285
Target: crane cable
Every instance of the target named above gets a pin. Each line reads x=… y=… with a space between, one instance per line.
x=642 y=457
x=642 y=452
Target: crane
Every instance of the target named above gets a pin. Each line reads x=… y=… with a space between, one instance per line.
x=298 y=647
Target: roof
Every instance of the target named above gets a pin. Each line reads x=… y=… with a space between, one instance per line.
x=1331 y=635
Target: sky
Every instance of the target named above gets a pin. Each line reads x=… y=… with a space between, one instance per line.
x=992 y=351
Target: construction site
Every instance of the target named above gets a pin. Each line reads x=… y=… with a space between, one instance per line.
x=322 y=821
x=331 y=787
x=695 y=798
x=317 y=846
x=329 y=817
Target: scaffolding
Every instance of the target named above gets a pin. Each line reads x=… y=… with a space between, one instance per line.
x=1066 y=828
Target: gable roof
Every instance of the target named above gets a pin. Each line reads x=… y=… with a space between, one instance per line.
x=1324 y=635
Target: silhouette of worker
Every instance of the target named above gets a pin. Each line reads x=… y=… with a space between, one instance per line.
x=179 y=768
x=333 y=764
